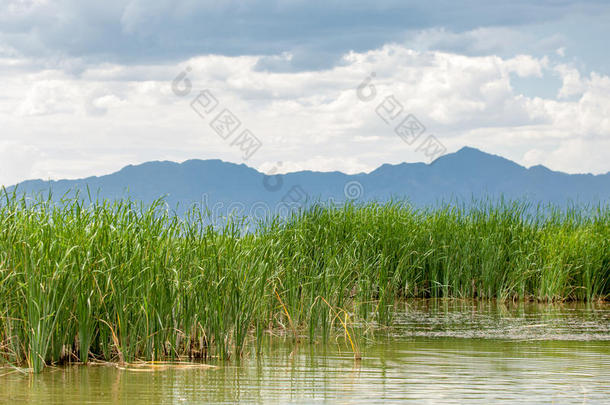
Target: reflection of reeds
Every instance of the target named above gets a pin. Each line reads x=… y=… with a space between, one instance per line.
x=120 y=282
x=162 y=366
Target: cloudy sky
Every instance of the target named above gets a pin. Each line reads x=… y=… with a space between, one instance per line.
x=89 y=87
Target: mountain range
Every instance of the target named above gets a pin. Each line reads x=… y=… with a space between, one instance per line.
x=223 y=187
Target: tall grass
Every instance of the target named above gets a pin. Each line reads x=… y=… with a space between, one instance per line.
x=120 y=282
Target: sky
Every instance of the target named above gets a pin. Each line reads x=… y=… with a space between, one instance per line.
x=88 y=87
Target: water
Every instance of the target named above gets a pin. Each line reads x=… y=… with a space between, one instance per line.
x=437 y=352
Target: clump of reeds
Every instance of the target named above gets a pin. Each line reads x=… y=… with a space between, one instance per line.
x=122 y=282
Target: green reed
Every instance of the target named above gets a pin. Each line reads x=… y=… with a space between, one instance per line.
x=122 y=282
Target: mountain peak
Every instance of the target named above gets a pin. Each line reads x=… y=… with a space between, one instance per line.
x=463 y=175
x=470 y=150
x=472 y=163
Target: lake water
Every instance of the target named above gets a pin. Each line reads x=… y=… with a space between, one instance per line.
x=437 y=352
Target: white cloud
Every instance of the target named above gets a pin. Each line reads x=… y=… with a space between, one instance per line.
x=47 y=97
x=18 y=161
x=491 y=40
x=568 y=155
x=572 y=82
x=526 y=65
x=111 y=115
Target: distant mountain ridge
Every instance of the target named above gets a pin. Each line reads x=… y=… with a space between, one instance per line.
x=461 y=176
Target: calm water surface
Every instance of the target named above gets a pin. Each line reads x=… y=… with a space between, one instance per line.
x=438 y=352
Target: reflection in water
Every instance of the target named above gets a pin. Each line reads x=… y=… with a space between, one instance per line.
x=489 y=319
x=440 y=351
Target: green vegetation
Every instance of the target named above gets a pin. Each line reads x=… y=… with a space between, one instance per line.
x=119 y=282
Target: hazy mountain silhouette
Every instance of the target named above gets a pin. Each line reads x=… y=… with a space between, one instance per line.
x=464 y=175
